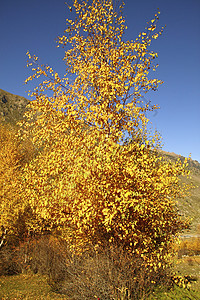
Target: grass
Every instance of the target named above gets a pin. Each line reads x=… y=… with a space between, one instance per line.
x=186 y=265
x=190 y=265
x=26 y=286
x=35 y=287
x=189 y=206
x=175 y=294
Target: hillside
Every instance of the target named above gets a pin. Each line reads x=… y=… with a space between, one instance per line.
x=194 y=165
x=190 y=206
x=12 y=107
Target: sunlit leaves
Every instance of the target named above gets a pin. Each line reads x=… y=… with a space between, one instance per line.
x=11 y=160
x=98 y=176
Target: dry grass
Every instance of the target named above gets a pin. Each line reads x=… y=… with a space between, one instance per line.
x=26 y=286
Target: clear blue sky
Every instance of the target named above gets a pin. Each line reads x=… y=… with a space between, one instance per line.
x=34 y=26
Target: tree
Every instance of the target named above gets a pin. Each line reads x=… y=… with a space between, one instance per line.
x=13 y=156
x=9 y=162
x=98 y=178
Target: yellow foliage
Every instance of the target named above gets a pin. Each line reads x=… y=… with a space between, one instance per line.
x=13 y=157
x=10 y=159
x=98 y=177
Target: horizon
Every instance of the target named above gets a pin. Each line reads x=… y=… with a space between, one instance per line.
x=35 y=26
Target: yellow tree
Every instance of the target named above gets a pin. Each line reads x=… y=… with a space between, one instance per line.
x=9 y=162
x=13 y=156
x=98 y=178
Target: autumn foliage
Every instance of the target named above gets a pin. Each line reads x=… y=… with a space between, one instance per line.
x=9 y=176
x=98 y=179
x=14 y=155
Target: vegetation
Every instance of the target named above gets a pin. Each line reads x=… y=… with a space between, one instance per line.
x=88 y=195
x=12 y=107
x=86 y=276
x=98 y=178
x=13 y=156
x=35 y=287
x=189 y=206
x=26 y=286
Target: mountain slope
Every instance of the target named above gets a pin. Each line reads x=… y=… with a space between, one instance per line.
x=190 y=206
x=12 y=107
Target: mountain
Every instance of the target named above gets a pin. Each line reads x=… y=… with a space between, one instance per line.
x=12 y=107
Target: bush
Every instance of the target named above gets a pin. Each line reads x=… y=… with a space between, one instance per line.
x=9 y=264
x=109 y=273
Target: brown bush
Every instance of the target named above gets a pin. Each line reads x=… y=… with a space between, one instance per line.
x=110 y=273
x=9 y=264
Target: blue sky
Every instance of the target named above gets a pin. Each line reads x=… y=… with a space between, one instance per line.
x=34 y=26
